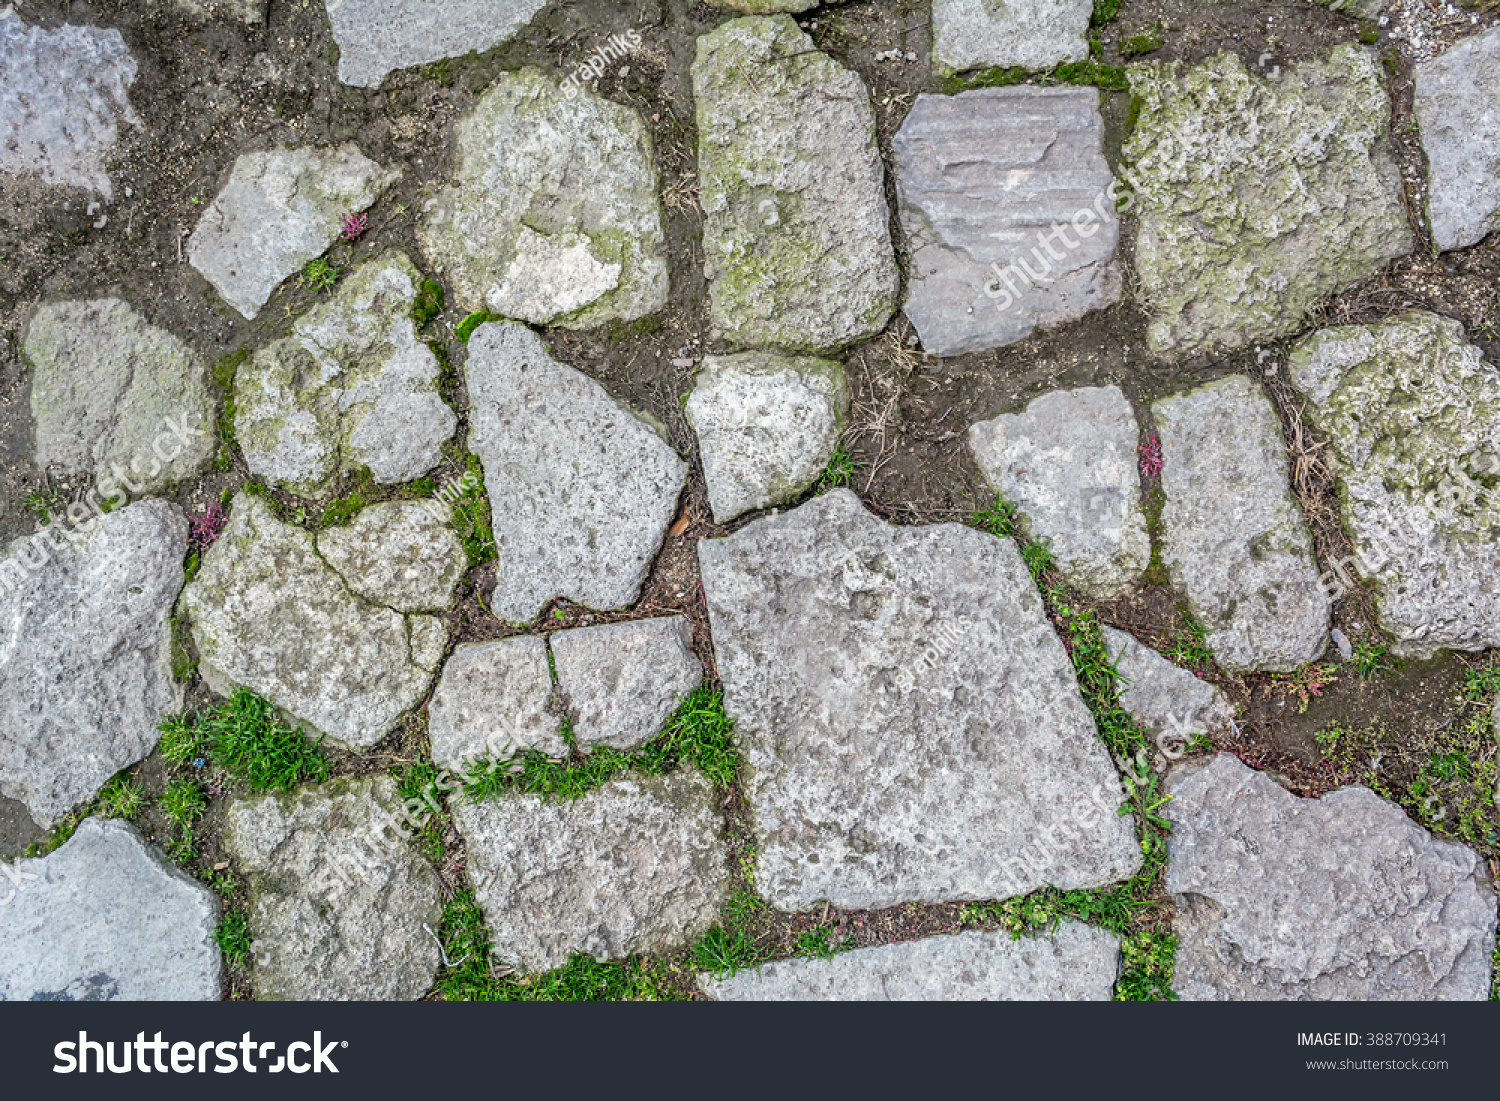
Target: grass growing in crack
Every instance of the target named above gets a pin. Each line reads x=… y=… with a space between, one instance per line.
x=417 y=780
x=1370 y=658
x=233 y=938
x=1000 y=519
x=121 y=798
x=840 y=469
x=1190 y=647
x=182 y=804
x=723 y=951
x=320 y=276
x=1146 y=965
x=248 y=738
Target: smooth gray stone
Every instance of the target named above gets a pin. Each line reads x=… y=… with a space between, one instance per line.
x=1031 y=34
x=624 y=680
x=492 y=702
x=378 y=36
x=397 y=554
x=1454 y=101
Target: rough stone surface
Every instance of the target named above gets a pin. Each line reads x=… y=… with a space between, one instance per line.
x=909 y=721
x=1454 y=101
x=1076 y=964
x=553 y=217
x=397 y=554
x=351 y=387
x=767 y=426
x=269 y=615
x=109 y=390
x=337 y=897
x=1171 y=704
x=279 y=209
x=1341 y=898
x=377 y=36
x=492 y=702
x=1364 y=9
x=638 y=865
x=983 y=179
x=1412 y=415
x=1259 y=196
x=1068 y=462
x=624 y=680
x=63 y=95
x=85 y=654
x=1034 y=34
x=796 y=233
x=581 y=487
x=1235 y=542
x=106 y=918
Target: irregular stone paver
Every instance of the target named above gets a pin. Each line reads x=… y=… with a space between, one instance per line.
x=639 y=865
x=1259 y=196
x=377 y=36
x=1412 y=415
x=1006 y=200
x=1454 y=101
x=269 y=615
x=491 y=702
x=796 y=233
x=351 y=387
x=337 y=897
x=1033 y=34
x=279 y=209
x=107 y=918
x=911 y=725
x=581 y=487
x=85 y=653
x=767 y=426
x=1068 y=462
x=1076 y=964
x=553 y=217
x=1235 y=542
x=63 y=95
x=1332 y=899
x=624 y=680
x=1171 y=704
x=397 y=554
x=113 y=395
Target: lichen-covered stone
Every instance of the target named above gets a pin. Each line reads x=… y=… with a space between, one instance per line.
x=1259 y=196
x=622 y=681
x=1171 y=704
x=1412 y=416
x=397 y=554
x=1454 y=100
x=553 y=217
x=112 y=395
x=377 y=36
x=351 y=387
x=1031 y=34
x=796 y=234
x=767 y=426
x=1341 y=898
x=1068 y=463
x=492 y=702
x=1235 y=542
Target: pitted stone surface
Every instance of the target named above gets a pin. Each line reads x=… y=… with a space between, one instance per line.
x=398 y=554
x=492 y=702
x=1235 y=542
x=85 y=653
x=337 y=897
x=1171 y=704
x=278 y=210
x=111 y=391
x=581 y=487
x=767 y=426
x=1068 y=462
x=1076 y=964
x=1454 y=101
x=623 y=680
x=1259 y=196
x=351 y=387
x=1412 y=415
x=377 y=36
x=638 y=865
x=1032 y=34
x=1332 y=899
x=796 y=232
x=909 y=721
x=106 y=918
x=63 y=96
x=553 y=217
x=1005 y=197
x=269 y=615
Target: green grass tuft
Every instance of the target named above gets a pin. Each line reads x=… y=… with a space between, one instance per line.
x=840 y=469
x=248 y=738
x=999 y=519
x=320 y=275
x=121 y=798
x=1146 y=965
x=233 y=938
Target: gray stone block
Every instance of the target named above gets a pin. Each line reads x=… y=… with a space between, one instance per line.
x=492 y=702
x=398 y=554
x=378 y=36
x=623 y=680
x=1031 y=34
x=1454 y=101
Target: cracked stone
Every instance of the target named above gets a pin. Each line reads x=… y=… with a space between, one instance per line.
x=624 y=680
x=403 y=554
x=492 y=701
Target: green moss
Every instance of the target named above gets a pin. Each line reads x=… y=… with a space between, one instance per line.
x=619 y=332
x=1141 y=44
x=1110 y=78
x=183 y=662
x=1105 y=13
x=428 y=305
x=467 y=326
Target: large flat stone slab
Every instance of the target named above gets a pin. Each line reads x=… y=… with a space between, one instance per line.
x=1068 y=462
x=1454 y=100
x=1006 y=200
x=796 y=233
x=492 y=702
x=85 y=653
x=106 y=918
x=911 y=725
x=1412 y=415
x=1257 y=197
x=378 y=36
x=638 y=865
x=622 y=681
x=1171 y=704
x=581 y=487
x=1341 y=898
x=1076 y=964
x=1031 y=34
x=398 y=554
x=1234 y=541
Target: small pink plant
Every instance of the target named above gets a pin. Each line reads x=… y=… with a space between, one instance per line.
x=206 y=528
x=354 y=227
x=1151 y=457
